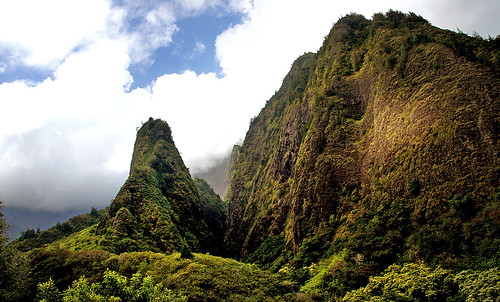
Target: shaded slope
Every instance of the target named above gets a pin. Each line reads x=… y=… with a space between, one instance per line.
x=217 y=176
x=385 y=143
x=214 y=213
x=158 y=207
x=253 y=186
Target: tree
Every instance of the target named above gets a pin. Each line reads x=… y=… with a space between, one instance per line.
x=94 y=212
x=14 y=269
x=479 y=285
x=3 y=226
x=186 y=252
x=410 y=282
x=48 y=292
x=114 y=287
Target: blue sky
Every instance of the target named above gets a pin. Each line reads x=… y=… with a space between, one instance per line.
x=192 y=48
x=77 y=77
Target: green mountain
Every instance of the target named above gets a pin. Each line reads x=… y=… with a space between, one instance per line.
x=214 y=213
x=371 y=175
x=158 y=208
x=382 y=147
x=31 y=239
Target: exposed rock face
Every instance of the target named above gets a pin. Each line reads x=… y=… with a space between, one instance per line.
x=392 y=120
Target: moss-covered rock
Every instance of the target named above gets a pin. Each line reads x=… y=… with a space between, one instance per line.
x=158 y=208
x=371 y=146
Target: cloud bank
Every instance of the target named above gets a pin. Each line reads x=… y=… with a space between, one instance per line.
x=66 y=141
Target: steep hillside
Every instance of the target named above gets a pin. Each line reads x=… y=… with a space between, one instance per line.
x=382 y=147
x=30 y=239
x=214 y=213
x=158 y=208
x=217 y=176
x=372 y=174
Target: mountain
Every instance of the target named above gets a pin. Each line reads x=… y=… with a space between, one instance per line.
x=214 y=213
x=371 y=174
x=382 y=147
x=20 y=220
x=31 y=239
x=158 y=208
x=217 y=176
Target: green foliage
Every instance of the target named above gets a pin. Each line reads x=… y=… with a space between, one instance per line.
x=323 y=283
x=186 y=252
x=3 y=226
x=134 y=276
x=414 y=187
x=214 y=213
x=479 y=285
x=271 y=254
x=114 y=287
x=14 y=268
x=48 y=292
x=81 y=291
x=332 y=277
x=30 y=239
x=158 y=208
x=376 y=232
x=202 y=278
x=210 y=278
x=14 y=272
x=418 y=282
x=410 y=282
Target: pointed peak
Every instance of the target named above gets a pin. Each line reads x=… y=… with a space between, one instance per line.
x=155 y=129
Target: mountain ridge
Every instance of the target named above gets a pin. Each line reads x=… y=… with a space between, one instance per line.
x=158 y=206
x=372 y=173
x=392 y=114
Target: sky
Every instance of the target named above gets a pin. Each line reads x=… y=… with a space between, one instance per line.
x=78 y=77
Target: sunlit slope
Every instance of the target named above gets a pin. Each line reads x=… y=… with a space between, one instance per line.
x=384 y=144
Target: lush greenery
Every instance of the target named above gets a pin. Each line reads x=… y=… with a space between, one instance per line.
x=114 y=287
x=198 y=278
x=14 y=270
x=31 y=239
x=382 y=148
x=214 y=212
x=158 y=208
x=418 y=282
x=371 y=175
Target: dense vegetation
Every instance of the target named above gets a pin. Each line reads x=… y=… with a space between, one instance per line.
x=158 y=208
x=31 y=239
x=214 y=213
x=382 y=148
x=371 y=175
x=202 y=278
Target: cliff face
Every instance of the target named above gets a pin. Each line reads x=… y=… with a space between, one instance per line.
x=158 y=207
x=214 y=214
x=384 y=143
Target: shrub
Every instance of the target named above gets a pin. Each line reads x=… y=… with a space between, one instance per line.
x=410 y=282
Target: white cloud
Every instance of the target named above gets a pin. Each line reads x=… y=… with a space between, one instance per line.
x=61 y=139
x=193 y=6
x=469 y=16
x=204 y=112
x=148 y=28
x=42 y=33
x=199 y=48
